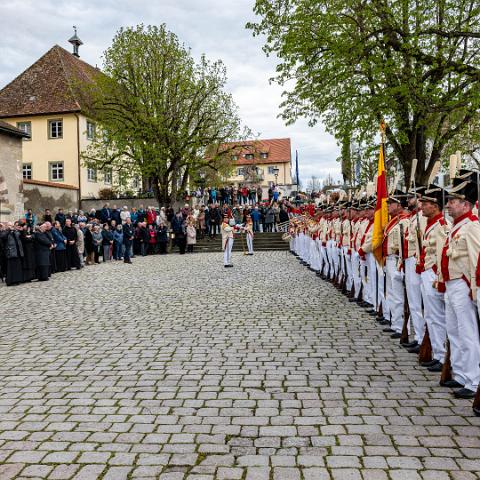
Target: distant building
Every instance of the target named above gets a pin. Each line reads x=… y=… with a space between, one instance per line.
x=11 y=198
x=42 y=103
x=263 y=162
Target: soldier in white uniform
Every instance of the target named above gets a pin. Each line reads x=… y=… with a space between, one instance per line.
x=227 y=242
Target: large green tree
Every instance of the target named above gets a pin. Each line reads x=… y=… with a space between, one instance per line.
x=161 y=114
x=350 y=63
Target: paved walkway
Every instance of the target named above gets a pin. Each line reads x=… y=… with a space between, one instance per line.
x=176 y=368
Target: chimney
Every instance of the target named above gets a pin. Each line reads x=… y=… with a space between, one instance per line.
x=75 y=41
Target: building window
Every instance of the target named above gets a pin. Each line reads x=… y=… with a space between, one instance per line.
x=56 y=171
x=240 y=172
x=90 y=130
x=27 y=171
x=249 y=156
x=25 y=127
x=264 y=155
x=234 y=158
x=55 y=129
x=271 y=170
x=107 y=176
x=91 y=174
x=136 y=183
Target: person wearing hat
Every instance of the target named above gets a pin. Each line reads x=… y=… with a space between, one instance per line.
x=428 y=266
x=368 y=259
x=413 y=234
x=458 y=265
x=227 y=242
x=394 y=252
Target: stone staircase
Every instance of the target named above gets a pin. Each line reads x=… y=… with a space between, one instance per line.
x=261 y=242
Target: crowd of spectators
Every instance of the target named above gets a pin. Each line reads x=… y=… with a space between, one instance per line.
x=35 y=248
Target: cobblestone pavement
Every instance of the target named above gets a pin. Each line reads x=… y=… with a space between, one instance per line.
x=176 y=368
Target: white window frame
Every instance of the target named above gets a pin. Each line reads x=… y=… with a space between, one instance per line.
x=56 y=169
x=55 y=128
x=271 y=169
x=107 y=176
x=249 y=156
x=240 y=171
x=27 y=128
x=264 y=155
x=91 y=130
x=27 y=169
x=92 y=175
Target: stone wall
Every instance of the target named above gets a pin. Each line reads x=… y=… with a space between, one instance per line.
x=11 y=198
x=41 y=195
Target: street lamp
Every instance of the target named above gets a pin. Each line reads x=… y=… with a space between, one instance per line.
x=276 y=171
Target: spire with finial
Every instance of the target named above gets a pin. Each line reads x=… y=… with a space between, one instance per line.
x=75 y=41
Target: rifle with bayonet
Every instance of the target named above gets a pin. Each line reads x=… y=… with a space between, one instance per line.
x=406 y=308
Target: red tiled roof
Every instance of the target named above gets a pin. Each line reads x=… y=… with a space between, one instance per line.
x=46 y=86
x=278 y=150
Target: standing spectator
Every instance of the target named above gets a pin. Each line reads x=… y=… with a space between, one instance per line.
x=92 y=215
x=245 y=195
x=116 y=215
x=124 y=214
x=151 y=216
x=73 y=261
x=239 y=194
x=128 y=234
x=60 y=217
x=47 y=216
x=105 y=214
x=28 y=260
x=201 y=221
x=141 y=214
x=162 y=217
x=269 y=219
x=134 y=216
x=107 y=242
x=152 y=240
x=141 y=239
x=42 y=247
x=191 y=236
x=60 y=248
x=82 y=218
x=97 y=243
x=259 y=194
x=276 y=216
x=283 y=216
x=89 y=245
x=80 y=242
x=30 y=218
x=117 y=242
x=256 y=217
x=178 y=227
x=13 y=248
x=162 y=238
x=275 y=193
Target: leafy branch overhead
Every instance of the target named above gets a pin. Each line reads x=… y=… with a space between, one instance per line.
x=160 y=111
x=353 y=62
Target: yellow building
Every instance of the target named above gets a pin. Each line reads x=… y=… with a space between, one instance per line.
x=264 y=162
x=42 y=102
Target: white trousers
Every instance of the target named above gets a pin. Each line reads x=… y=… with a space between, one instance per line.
x=414 y=294
x=434 y=311
x=319 y=246
x=249 y=243
x=372 y=277
x=227 y=253
x=348 y=263
x=382 y=299
x=357 y=279
x=326 y=263
x=364 y=277
x=395 y=294
x=462 y=331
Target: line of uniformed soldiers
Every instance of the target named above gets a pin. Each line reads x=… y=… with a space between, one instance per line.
x=427 y=285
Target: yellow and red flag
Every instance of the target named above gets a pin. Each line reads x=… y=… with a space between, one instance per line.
x=381 y=208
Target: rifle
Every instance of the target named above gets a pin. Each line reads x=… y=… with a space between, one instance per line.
x=425 y=353
x=406 y=308
x=447 y=366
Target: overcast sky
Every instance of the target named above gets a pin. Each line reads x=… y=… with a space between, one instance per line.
x=214 y=27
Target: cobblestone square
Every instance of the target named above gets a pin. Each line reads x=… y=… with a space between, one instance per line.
x=177 y=368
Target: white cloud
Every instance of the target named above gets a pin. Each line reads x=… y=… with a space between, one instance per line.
x=214 y=27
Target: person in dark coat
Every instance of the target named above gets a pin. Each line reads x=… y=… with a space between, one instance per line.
x=162 y=238
x=70 y=232
x=28 y=261
x=60 y=217
x=128 y=234
x=116 y=215
x=89 y=246
x=179 y=229
x=43 y=244
x=47 y=216
x=12 y=246
x=60 y=242
x=105 y=214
